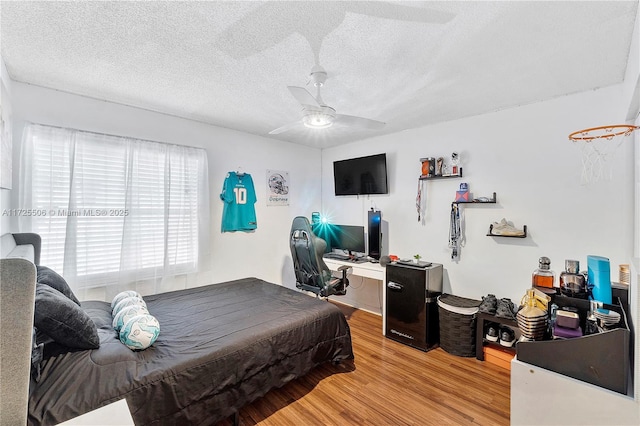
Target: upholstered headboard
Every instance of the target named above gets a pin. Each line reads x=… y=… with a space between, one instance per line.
x=19 y=255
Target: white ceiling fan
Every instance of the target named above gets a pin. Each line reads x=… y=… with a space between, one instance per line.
x=316 y=114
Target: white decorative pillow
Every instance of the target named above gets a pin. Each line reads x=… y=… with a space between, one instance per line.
x=125 y=314
x=126 y=302
x=124 y=295
x=140 y=332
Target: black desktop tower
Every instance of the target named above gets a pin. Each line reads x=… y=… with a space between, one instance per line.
x=411 y=304
x=375 y=234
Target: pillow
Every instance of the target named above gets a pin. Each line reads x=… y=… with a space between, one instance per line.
x=125 y=314
x=63 y=320
x=37 y=354
x=123 y=295
x=125 y=303
x=140 y=332
x=51 y=278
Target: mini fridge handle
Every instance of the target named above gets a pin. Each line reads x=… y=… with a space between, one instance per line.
x=394 y=286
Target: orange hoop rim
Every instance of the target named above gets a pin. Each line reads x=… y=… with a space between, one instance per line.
x=611 y=132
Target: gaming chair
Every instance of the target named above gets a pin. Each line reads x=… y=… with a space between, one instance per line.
x=312 y=274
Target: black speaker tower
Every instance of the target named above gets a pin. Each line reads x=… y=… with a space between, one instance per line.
x=375 y=234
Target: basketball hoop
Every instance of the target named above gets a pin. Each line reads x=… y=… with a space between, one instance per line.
x=597 y=144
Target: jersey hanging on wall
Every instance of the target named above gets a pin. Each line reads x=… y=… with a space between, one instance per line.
x=239 y=196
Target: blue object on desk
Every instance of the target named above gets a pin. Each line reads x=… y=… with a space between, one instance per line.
x=599 y=275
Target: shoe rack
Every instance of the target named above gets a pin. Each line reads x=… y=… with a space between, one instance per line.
x=481 y=341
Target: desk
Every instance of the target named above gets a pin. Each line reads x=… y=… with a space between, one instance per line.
x=367 y=270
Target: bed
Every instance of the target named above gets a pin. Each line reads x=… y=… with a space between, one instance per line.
x=220 y=347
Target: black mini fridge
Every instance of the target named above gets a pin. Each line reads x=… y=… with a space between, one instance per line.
x=411 y=303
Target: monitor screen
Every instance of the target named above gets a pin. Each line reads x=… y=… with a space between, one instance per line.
x=341 y=237
x=349 y=238
x=363 y=175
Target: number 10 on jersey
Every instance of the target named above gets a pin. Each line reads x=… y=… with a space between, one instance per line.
x=241 y=195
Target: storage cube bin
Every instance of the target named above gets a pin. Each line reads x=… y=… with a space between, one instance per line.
x=457 y=317
x=498 y=356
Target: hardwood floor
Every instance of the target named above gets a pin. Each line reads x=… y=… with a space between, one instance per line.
x=388 y=383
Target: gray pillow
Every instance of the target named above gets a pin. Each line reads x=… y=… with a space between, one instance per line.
x=64 y=321
x=48 y=276
x=37 y=354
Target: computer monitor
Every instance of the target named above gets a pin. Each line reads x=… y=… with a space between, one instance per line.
x=348 y=238
x=341 y=237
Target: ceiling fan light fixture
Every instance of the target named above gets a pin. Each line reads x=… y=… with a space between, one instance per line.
x=319 y=119
x=318 y=115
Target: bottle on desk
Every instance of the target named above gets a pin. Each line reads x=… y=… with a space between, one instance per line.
x=572 y=282
x=543 y=276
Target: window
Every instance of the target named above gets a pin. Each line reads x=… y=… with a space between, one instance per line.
x=114 y=209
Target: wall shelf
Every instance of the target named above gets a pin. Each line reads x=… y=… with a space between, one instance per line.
x=426 y=177
x=493 y=200
x=489 y=234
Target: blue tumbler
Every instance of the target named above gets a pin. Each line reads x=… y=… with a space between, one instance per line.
x=599 y=276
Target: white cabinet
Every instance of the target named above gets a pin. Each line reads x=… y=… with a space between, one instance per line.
x=114 y=414
x=542 y=397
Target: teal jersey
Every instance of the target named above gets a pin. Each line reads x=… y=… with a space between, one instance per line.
x=239 y=196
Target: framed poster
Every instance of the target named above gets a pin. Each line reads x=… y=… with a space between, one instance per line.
x=277 y=188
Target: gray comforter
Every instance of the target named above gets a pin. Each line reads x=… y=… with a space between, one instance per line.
x=220 y=347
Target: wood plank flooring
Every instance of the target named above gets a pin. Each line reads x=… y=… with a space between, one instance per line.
x=388 y=383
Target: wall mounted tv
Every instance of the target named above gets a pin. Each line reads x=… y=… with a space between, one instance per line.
x=363 y=175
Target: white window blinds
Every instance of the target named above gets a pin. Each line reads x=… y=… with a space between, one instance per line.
x=113 y=209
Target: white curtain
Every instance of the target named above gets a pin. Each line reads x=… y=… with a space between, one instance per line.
x=116 y=213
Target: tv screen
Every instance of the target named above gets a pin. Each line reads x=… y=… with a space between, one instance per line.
x=363 y=175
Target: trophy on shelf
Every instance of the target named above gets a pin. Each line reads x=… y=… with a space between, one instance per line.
x=455 y=161
x=440 y=167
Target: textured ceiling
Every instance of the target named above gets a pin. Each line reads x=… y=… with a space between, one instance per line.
x=408 y=64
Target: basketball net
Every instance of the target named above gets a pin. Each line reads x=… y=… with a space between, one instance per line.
x=597 y=145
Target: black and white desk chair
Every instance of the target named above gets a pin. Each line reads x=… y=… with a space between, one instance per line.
x=312 y=274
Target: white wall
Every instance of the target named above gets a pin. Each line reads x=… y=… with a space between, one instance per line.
x=7 y=106
x=524 y=155
x=263 y=253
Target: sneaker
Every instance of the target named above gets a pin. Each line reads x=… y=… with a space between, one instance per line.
x=507 y=336
x=506 y=309
x=505 y=229
x=488 y=305
x=492 y=332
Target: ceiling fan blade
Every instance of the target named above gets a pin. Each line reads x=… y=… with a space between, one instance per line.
x=363 y=123
x=303 y=96
x=285 y=128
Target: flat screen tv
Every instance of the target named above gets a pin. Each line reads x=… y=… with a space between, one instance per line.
x=363 y=175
